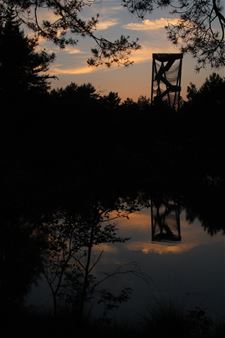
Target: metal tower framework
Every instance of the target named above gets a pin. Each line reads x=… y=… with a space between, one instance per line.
x=166 y=78
x=165 y=221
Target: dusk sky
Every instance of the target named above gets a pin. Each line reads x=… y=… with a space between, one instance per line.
x=71 y=63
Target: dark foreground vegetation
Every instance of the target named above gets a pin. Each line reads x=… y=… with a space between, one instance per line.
x=68 y=158
x=165 y=320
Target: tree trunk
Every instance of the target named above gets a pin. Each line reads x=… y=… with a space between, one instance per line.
x=54 y=296
x=86 y=274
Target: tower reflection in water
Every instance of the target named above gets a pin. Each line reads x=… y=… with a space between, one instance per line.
x=165 y=221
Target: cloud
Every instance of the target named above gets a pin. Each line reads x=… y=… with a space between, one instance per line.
x=145 y=53
x=105 y=7
x=109 y=9
x=46 y=14
x=103 y=25
x=139 y=56
x=150 y=25
x=72 y=50
x=161 y=249
x=138 y=221
x=51 y=48
x=109 y=248
x=72 y=71
x=142 y=55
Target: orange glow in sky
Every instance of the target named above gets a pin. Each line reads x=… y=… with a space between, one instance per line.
x=71 y=63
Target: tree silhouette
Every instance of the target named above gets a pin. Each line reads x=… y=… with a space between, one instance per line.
x=66 y=18
x=211 y=93
x=19 y=260
x=213 y=89
x=143 y=103
x=200 y=28
x=68 y=259
x=111 y=102
x=22 y=68
x=203 y=136
x=82 y=95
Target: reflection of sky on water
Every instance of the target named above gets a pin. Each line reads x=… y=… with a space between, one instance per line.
x=189 y=273
x=138 y=228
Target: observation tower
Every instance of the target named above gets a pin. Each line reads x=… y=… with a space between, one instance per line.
x=166 y=78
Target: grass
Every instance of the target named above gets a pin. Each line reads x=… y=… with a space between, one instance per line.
x=164 y=320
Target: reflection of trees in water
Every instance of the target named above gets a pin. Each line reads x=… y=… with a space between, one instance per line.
x=207 y=206
x=69 y=260
x=60 y=169
x=203 y=203
x=19 y=260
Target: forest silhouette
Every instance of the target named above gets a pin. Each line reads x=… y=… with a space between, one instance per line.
x=69 y=156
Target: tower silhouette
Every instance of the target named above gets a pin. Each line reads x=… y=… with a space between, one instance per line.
x=165 y=221
x=166 y=78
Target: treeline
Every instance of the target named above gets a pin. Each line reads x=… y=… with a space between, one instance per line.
x=58 y=140
x=72 y=154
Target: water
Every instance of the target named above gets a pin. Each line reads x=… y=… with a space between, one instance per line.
x=188 y=273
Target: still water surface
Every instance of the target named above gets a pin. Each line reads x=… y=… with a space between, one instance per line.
x=188 y=273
